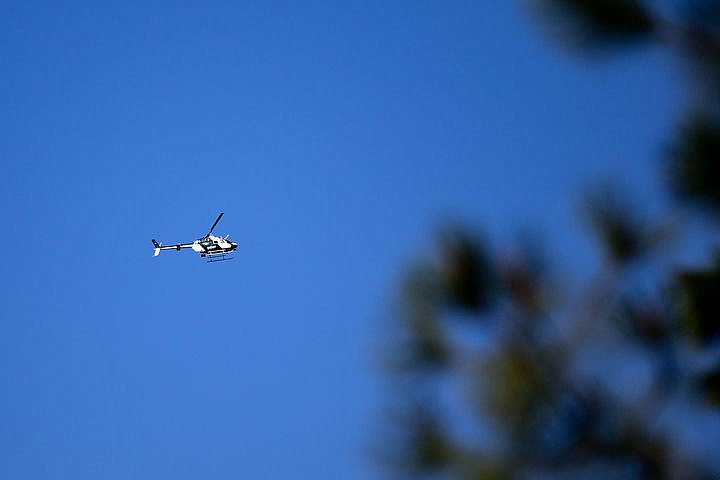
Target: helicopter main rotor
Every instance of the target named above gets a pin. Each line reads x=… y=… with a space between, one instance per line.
x=216 y=222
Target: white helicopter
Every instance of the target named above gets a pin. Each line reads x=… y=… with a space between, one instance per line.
x=207 y=246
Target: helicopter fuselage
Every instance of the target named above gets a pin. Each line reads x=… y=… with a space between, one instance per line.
x=211 y=245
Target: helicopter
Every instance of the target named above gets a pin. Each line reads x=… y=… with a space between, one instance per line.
x=215 y=248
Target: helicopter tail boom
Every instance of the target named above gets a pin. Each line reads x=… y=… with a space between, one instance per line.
x=160 y=246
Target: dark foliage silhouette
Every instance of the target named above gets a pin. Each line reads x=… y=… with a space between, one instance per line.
x=499 y=373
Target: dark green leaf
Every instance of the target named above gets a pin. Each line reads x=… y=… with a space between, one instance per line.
x=598 y=23
x=621 y=230
x=466 y=272
x=694 y=169
x=699 y=302
x=709 y=384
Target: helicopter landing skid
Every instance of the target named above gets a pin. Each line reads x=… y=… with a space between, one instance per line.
x=223 y=258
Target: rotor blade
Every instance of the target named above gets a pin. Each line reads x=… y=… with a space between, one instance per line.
x=216 y=222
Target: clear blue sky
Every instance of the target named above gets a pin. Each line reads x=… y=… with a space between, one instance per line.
x=336 y=137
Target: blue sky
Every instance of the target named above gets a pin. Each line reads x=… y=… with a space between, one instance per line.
x=336 y=137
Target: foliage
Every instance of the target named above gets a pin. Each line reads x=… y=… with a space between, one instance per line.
x=500 y=374
x=591 y=23
x=693 y=167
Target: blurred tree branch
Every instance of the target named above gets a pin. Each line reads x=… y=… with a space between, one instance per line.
x=492 y=352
